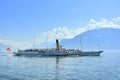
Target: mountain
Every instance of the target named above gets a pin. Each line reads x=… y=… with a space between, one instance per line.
x=105 y=39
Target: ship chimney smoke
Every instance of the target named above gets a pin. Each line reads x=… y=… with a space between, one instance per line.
x=57 y=44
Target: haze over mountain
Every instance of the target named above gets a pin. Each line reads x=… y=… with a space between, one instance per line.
x=105 y=39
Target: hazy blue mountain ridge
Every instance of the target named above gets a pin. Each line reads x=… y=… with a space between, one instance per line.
x=105 y=39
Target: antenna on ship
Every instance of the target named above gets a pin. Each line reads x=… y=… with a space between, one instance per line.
x=81 y=42
x=99 y=46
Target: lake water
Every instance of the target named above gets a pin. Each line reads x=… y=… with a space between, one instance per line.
x=104 y=67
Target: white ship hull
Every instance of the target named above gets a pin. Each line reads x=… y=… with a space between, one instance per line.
x=54 y=52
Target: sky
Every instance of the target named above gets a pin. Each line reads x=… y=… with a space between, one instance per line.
x=21 y=21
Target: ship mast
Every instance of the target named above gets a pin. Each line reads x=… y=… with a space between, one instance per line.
x=34 y=42
x=81 y=47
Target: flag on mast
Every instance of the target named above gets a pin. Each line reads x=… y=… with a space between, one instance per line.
x=8 y=49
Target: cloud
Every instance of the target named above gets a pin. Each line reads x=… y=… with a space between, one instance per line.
x=65 y=33
x=116 y=19
x=103 y=23
x=16 y=44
